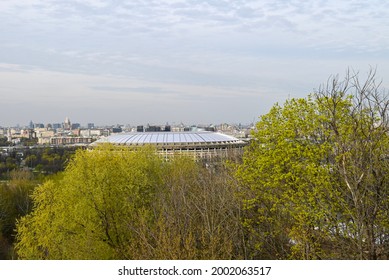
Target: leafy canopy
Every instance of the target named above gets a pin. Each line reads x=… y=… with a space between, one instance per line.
x=90 y=212
x=316 y=175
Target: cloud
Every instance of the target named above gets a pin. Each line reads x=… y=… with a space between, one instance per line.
x=186 y=50
x=293 y=22
x=143 y=90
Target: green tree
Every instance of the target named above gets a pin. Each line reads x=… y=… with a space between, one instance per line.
x=15 y=202
x=289 y=182
x=94 y=210
x=315 y=175
x=118 y=203
x=4 y=142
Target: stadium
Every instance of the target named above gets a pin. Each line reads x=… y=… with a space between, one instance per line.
x=199 y=144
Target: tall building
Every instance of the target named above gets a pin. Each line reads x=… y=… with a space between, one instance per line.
x=67 y=125
x=75 y=126
x=39 y=125
x=56 y=125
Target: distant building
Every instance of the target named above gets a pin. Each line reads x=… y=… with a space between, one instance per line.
x=76 y=132
x=56 y=126
x=153 y=128
x=117 y=130
x=44 y=137
x=67 y=125
x=70 y=140
x=94 y=133
x=75 y=126
x=39 y=125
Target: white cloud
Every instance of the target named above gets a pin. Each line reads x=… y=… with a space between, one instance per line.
x=186 y=48
x=298 y=22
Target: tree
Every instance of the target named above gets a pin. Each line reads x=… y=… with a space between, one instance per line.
x=15 y=202
x=199 y=213
x=288 y=182
x=4 y=141
x=315 y=175
x=95 y=210
x=360 y=159
x=119 y=203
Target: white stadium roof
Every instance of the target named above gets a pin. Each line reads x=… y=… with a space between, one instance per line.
x=170 y=138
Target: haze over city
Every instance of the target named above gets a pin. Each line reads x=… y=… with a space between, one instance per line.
x=112 y=62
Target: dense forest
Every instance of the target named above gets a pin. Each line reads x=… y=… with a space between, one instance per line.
x=312 y=184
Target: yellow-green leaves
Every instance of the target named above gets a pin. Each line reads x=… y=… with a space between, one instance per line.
x=92 y=211
x=285 y=169
x=316 y=175
x=118 y=203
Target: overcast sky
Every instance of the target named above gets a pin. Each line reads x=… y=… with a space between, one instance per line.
x=138 y=62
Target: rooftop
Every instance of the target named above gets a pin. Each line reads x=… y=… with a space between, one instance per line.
x=170 y=138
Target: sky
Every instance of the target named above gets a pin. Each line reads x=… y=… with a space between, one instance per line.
x=190 y=61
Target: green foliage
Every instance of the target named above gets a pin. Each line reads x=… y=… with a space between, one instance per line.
x=312 y=184
x=15 y=202
x=28 y=142
x=114 y=203
x=41 y=160
x=4 y=142
x=289 y=179
x=94 y=210
x=315 y=176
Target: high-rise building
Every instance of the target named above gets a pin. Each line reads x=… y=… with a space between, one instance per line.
x=39 y=125
x=56 y=125
x=75 y=126
x=67 y=125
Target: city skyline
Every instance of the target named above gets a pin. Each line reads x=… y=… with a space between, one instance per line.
x=45 y=123
x=112 y=62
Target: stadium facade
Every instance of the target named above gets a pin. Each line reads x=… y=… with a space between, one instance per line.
x=199 y=144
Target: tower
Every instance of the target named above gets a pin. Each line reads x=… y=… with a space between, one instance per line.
x=67 y=125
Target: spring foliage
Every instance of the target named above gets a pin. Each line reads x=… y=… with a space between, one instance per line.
x=316 y=175
x=114 y=203
x=91 y=211
x=313 y=184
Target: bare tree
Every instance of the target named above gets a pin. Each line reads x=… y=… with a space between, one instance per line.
x=356 y=113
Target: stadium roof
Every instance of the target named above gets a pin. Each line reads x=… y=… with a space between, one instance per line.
x=170 y=138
